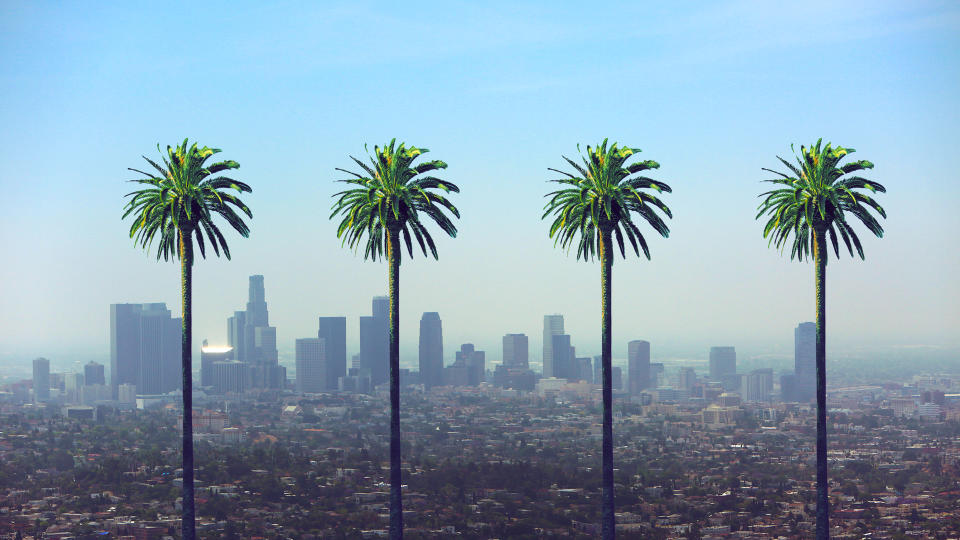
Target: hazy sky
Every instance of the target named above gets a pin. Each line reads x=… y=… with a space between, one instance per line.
x=500 y=91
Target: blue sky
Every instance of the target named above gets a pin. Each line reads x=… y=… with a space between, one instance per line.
x=500 y=91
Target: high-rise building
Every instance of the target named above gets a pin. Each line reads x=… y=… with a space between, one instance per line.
x=231 y=377
x=375 y=341
x=469 y=368
x=311 y=365
x=236 y=326
x=552 y=326
x=333 y=330
x=616 y=376
x=723 y=361
x=145 y=348
x=255 y=342
x=563 y=357
x=656 y=374
x=805 y=361
x=788 y=387
x=73 y=387
x=93 y=374
x=381 y=307
x=431 y=350
x=584 y=369
x=41 y=379
x=688 y=378
x=208 y=355
x=759 y=385
x=257 y=314
x=638 y=366
x=126 y=393
x=516 y=351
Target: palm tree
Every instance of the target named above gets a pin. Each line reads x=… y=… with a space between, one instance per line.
x=593 y=207
x=388 y=201
x=812 y=201
x=176 y=204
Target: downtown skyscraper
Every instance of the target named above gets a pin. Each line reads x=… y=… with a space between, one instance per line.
x=311 y=365
x=638 y=366
x=516 y=351
x=805 y=361
x=333 y=331
x=431 y=350
x=41 y=379
x=254 y=341
x=145 y=348
x=375 y=341
x=552 y=326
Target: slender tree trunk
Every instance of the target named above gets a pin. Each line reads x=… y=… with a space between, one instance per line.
x=606 y=274
x=186 y=366
x=396 y=496
x=823 y=503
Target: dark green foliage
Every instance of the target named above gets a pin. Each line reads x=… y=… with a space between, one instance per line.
x=182 y=198
x=390 y=193
x=602 y=193
x=818 y=194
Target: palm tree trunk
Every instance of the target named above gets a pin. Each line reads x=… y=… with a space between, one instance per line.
x=186 y=366
x=606 y=274
x=396 y=498
x=823 y=504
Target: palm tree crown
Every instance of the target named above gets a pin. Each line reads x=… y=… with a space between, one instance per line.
x=600 y=196
x=815 y=197
x=391 y=195
x=182 y=199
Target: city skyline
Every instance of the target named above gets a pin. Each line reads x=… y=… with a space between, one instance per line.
x=717 y=98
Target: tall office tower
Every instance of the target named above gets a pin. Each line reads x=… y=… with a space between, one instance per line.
x=311 y=365
x=759 y=385
x=333 y=330
x=431 y=349
x=598 y=370
x=381 y=307
x=688 y=378
x=805 y=361
x=552 y=326
x=73 y=387
x=584 y=369
x=516 y=351
x=124 y=345
x=788 y=387
x=638 y=366
x=257 y=314
x=41 y=379
x=355 y=361
x=375 y=341
x=208 y=355
x=126 y=393
x=93 y=374
x=145 y=348
x=254 y=341
x=562 y=357
x=656 y=374
x=236 y=333
x=231 y=377
x=723 y=361
x=617 y=378
x=469 y=367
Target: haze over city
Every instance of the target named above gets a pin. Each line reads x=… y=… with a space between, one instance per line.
x=712 y=94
